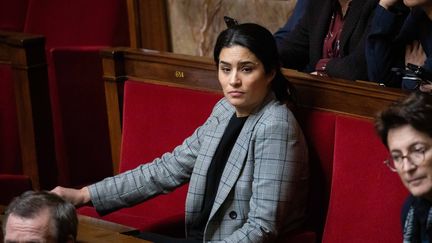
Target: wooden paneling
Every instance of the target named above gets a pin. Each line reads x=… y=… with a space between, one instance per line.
x=361 y=99
x=26 y=56
x=148 y=24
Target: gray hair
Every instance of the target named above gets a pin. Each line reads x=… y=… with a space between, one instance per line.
x=30 y=203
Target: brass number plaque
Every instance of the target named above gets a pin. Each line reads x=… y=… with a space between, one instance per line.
x=179 y=74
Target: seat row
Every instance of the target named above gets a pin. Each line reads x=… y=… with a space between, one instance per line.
x=55 y=122
x=156 y=99
x=144 y=119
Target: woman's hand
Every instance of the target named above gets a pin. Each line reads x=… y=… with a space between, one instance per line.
x=426 y=88
x=415 y=54
x=77 y=197
x=387 y=3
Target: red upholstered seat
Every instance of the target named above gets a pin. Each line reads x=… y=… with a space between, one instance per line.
x=156 y=118
x=13 y=15
x=78 y=22
x=366 y=197
x=75 y=31
x=318 y=128
x=79 y=115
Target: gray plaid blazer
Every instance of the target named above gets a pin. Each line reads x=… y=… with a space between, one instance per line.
x=263 y=188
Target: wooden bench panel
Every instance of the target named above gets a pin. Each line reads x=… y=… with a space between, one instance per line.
x=332 y=97
x=358 y=99
x=26 y=56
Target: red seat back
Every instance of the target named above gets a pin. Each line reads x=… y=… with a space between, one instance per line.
x=75 y=31
x=78 y=22
x=366 y=196
x=318 y=128
x=156 y=118
x=79 y=116
x=13 y=15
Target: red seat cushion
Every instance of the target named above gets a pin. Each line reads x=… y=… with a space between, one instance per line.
x=75 y=31
x=318 y=128
x=366 y=197
x=156 y=118
x=13 y=15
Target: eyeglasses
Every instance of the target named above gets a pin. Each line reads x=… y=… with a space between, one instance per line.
x=416 y=157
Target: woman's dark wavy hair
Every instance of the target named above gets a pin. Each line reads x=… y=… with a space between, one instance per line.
x=260 y=42
x=414 y=110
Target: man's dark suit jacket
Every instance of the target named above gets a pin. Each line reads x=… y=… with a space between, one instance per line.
x=302 y=48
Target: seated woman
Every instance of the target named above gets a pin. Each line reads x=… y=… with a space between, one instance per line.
x=247 y=165
x=329 y=39
x=400 y=36
x=406 y=129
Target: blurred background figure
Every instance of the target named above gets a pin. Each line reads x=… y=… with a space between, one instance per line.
x=406 y=129
x=40 y=217
x=329 y=39
x=399 y=47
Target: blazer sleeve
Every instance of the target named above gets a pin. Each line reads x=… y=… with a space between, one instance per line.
x=280 y=181
x=147 y=180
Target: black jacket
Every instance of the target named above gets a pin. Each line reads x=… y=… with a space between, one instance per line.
x=302 y=48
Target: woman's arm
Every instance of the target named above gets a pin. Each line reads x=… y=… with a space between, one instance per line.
x=134 y=186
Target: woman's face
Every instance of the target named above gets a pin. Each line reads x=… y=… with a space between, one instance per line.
x=416 y=178
x=243 y=79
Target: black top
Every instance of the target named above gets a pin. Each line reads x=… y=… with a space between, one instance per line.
x=421 y=229
x=214 y=173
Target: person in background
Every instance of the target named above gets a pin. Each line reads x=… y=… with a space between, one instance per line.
x=329 y=39
x=295 y=17
x=40 y=217
x=400 y=36
x=406 y=129
x=247 y=165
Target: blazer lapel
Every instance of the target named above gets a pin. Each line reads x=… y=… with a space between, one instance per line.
x=236 y=160
x=318 y=35
x=351 y=22
x=196 y=191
